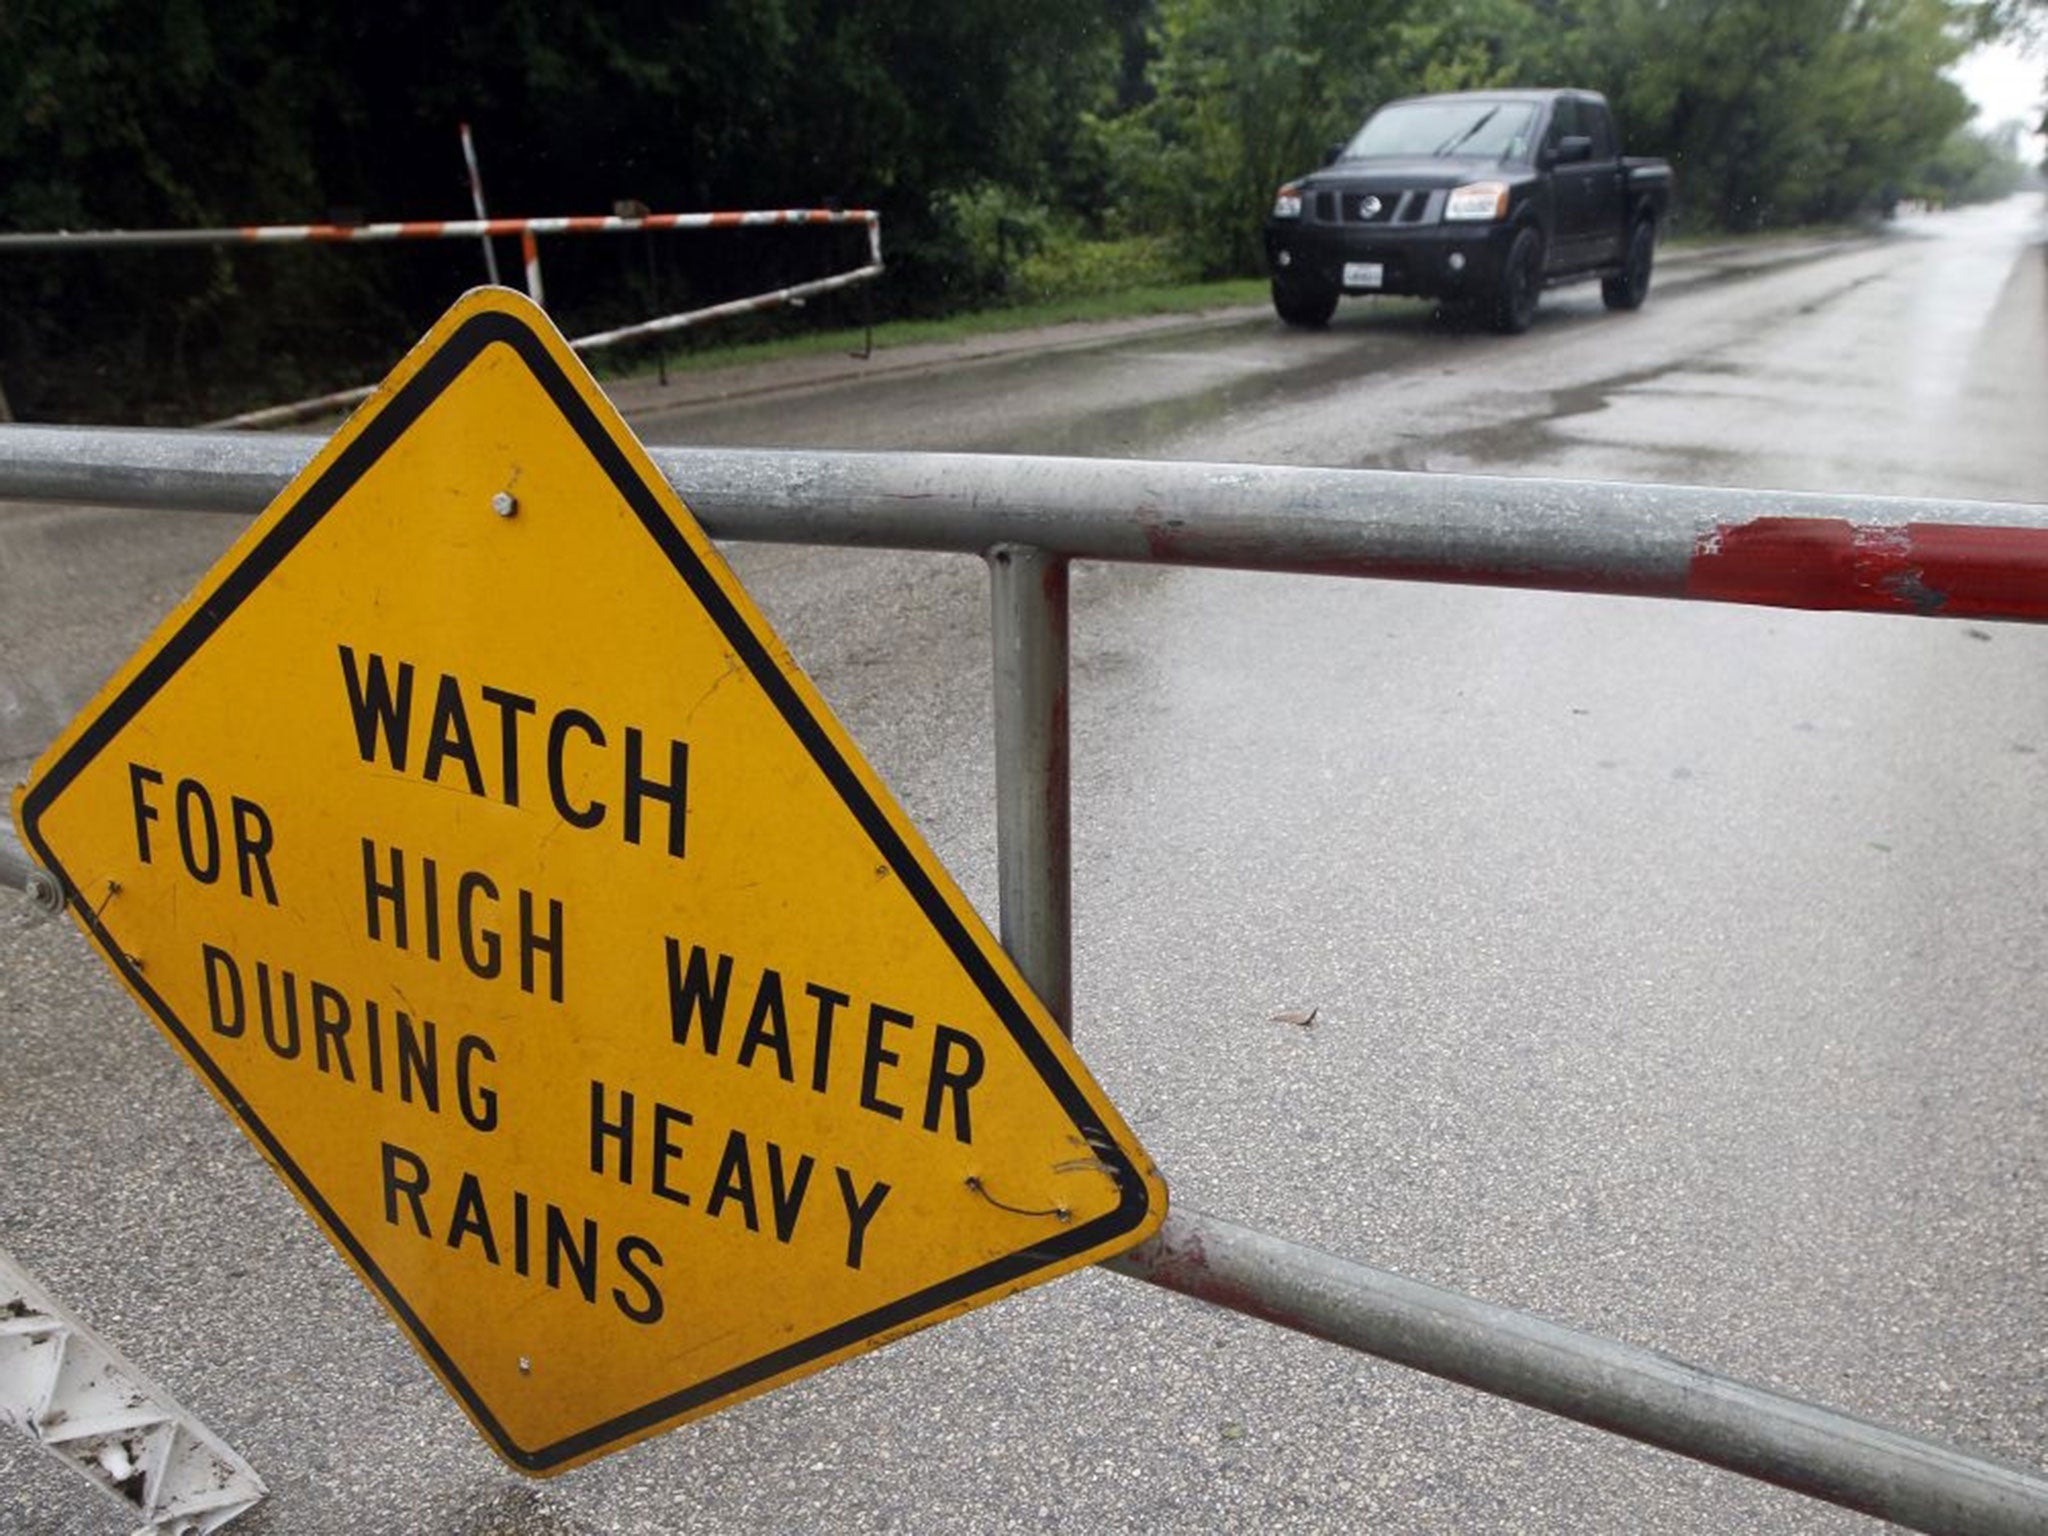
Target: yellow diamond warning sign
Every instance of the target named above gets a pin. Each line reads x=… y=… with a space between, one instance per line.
x=481 y=847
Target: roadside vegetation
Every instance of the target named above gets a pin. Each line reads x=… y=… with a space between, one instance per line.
x=1064 y=153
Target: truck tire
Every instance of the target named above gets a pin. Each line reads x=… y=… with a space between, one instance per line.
x=1512 y=308
x=1308 y=305
x=1631 y=285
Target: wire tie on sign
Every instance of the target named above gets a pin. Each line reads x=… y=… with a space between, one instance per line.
x=1058 y=1212
x=113 y=890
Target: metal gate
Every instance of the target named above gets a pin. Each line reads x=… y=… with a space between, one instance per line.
x=1029 y=518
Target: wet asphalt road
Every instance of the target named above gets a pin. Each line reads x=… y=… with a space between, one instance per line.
x=1678 y=968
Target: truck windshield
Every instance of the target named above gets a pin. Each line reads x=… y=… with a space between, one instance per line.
x=1491 y=130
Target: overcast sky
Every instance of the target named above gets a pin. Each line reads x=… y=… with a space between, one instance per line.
x=2004 y=82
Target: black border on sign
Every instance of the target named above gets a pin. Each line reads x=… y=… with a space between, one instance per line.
x=411 y=401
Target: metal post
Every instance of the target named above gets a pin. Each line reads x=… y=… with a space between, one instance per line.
x=529 y=249
x=1034 y=819
x=476 y=194
x=1639 y=1393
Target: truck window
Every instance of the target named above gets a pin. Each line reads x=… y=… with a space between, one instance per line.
x=1598 y=123
x=1564 y=119
x=1475 y=127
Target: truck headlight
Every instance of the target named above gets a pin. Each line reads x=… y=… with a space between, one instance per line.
x=1479 y=201
x=1287 y=203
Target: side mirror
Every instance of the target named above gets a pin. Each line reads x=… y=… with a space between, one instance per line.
x=1574 y=147
x=1334 y=153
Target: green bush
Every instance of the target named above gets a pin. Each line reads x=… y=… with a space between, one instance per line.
x=991 y=228
x=1070 y=267
x=1017 y=252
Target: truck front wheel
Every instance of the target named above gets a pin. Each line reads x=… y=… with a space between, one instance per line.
x=1513 y=307
x=1304 y=303
x=1631 y=285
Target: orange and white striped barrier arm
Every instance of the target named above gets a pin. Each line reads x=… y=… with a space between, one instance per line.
x=433 y=229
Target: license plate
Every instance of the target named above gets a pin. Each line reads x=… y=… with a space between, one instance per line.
x=1364 y=274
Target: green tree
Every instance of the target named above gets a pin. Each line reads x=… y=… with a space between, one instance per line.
x=1244 y=93
x=1775 y=111
x=118 y=118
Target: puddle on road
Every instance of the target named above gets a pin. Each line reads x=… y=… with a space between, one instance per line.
x=1295 y=366
x=1541 y=433
x=1529 y=437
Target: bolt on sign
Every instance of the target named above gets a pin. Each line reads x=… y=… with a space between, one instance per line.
x=474 y=838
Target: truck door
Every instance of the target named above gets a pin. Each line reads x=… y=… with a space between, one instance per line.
x=1606 y=186
x=1571 y=196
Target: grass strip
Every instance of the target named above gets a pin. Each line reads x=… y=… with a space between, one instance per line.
x=1124 y=304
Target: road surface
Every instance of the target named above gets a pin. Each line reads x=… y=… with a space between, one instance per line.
x=1677 y=969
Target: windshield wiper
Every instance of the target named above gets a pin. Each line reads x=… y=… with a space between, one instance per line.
x=1455 y=140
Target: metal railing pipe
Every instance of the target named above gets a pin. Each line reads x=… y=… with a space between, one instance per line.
x=661 y=325
x=1034 y=812
x=1617 y=1387
x=147 y=469
x=1974 y=559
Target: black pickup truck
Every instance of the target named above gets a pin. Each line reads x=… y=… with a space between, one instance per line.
x=1478 y=197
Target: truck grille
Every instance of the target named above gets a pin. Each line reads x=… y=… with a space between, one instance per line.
x=1371 y=207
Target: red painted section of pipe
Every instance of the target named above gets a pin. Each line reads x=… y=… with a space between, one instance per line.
x=1944 y=570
